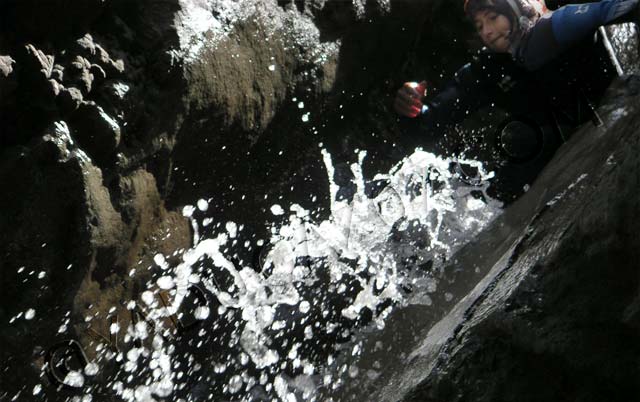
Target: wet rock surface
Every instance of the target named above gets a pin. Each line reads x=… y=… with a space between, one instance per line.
x=115 y=114
x=554 y=315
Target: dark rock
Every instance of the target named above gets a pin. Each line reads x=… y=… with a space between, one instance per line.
x=113 y=93
x=57 y=73
x=55 y=145
x=50 y=231
x=7 y=79
x=98 y=74
x=62 y=243
x=55 y=87
x=126 y=33
x=155 y=27
x=84 y=46
x=37 y=62
x=96 y=131
x=113 y=68
x=334 y=17
x=78 y=73
x=45 y=93
x=69 y=100
x=6 y=66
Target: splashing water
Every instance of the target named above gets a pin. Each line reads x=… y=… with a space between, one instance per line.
x=278 y=324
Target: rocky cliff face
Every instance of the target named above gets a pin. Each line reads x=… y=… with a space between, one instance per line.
x=114 y=114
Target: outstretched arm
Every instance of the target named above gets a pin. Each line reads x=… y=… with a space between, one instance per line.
x=460 y=96
x=423 y=122
x=554 y=34
x=572 y=23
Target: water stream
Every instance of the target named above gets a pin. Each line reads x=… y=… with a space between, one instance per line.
x=285 y=327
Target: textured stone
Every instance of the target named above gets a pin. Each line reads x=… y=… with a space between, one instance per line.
x=113 y=68
x=60 y=225
x=141 y=208
x=66 y=225
x=7 y=78
x=113 y=94
x=96 y=131
x=55 y=87
x=55 y=145
x=37 y=61
x=6 y=66
x=69 y=100
x=79 y=74
x=98 y=74
x=85 y=45
x=57 y=73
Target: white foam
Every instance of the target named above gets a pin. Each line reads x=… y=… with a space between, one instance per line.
x=421 y=192
x=29 y=314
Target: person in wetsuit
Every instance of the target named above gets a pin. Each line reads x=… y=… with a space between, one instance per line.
x=537 y=63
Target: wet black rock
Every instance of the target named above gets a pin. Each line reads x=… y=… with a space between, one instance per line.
x=135 y=116
x=69 y=100
x=96 y=131
x=55 y=145
x=543 y=306
x=114 y=92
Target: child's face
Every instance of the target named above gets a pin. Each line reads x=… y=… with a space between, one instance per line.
x=494 y=30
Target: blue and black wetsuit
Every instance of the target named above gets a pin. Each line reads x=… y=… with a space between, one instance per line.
x=557 y=32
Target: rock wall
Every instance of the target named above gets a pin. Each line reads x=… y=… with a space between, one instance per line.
x=544 y=305
x=115 y=114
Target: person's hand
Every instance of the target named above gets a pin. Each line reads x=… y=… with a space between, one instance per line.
x=408 y=100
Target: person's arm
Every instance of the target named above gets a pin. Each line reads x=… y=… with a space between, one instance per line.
x=554 y=34
x=459 y=97
x=465 y=93
x=572 y=23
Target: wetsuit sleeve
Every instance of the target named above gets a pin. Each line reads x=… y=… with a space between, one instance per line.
x=572 y=23
x=456 y=100
x=553 y=35
x=467 y=92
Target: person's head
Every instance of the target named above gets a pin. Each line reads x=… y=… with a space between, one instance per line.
x=502 y=23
